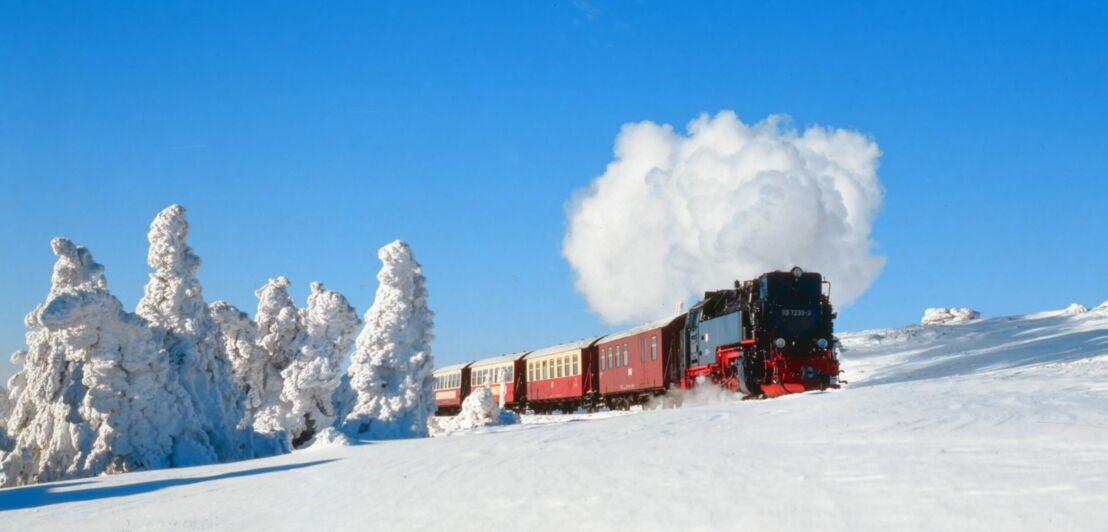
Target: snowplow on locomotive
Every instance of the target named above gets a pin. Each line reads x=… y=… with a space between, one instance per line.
x=766 y=337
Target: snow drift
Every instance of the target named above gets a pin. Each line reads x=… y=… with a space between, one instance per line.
x=676 y=213
x=936 y=316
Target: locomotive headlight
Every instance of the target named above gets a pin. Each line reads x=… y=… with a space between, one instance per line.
x=780 y=343
x=797 y=272
x=822 y=343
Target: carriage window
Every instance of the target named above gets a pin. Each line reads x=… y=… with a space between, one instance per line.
x=618 y=361
x=576 y=371
x=653 y=348
x=642 y=349
x=603 y=365
x=544 y=369
x=611 y=363
x=625 y=354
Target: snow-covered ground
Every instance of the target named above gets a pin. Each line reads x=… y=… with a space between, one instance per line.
x=990 y=424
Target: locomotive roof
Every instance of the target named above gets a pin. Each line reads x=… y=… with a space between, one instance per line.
x=499 y=359
x=641 y=328
x=568 y=346
x=452 y=367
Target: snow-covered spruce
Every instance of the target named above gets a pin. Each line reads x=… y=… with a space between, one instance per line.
x=938 y=316
x=312 y=377
x=96 y=393
x=280 y=335
x=174 y=304
x=390 y=371
x=251 y=364
x=5 y=410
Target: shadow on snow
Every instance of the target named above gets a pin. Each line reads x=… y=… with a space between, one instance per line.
x=48 y=494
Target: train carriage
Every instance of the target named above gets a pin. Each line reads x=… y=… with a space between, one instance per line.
x=490 y=372
x=637 y=363
x=562 y=376
x=451 y=387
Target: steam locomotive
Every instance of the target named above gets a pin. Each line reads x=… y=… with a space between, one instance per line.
x=765 y=337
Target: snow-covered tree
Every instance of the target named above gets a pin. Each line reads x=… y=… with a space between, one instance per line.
x=251 y=364
x=173 y=303
x=5 y=410
x=96 y=392
x=312 y=377
x=390 y=371
x=280 y=336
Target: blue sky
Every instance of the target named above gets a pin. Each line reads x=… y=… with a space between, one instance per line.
x=303 y=136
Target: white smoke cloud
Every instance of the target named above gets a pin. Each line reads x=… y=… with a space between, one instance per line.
x=677 y=214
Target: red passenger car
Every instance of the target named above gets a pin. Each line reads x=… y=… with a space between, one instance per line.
x=562 y=376
x=638 y=363
x=451 y=387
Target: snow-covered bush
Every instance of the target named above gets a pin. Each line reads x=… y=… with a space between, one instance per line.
x=390 y=371
x=96 y=393
x=174 y=304
x=312 y=377
x=479 y=409
x=328 y=437
x=937 y=316
x=1075 y=308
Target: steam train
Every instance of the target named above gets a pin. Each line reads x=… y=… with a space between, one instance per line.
x=765 y=337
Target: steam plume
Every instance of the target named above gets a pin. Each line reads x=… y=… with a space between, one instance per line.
x=676 y=214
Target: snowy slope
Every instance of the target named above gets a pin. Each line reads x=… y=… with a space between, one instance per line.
x=992 y=424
